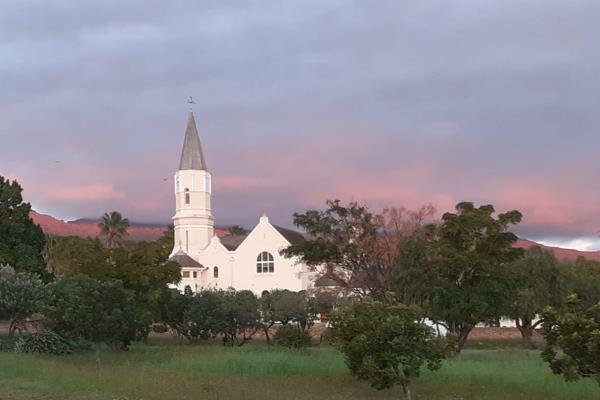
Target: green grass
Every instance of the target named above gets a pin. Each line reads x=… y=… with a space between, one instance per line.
x=163 y=370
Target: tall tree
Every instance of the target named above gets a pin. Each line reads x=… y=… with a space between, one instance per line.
x=472 y=282
x=537 y=286
x=361 y=251
x=21 y=241
x=113 y=228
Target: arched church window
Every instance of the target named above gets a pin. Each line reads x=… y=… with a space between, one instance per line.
x=187 y=196
x=216 y=272
x=265 y=263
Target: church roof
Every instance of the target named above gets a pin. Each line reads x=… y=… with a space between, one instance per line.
x=184 y=260
x=291 y=236
x=232 y=242
x=191 y=155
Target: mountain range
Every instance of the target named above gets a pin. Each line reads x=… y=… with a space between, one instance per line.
x=150 y=232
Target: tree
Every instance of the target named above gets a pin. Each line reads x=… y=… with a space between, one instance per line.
x=142 y=267
x=113 y=228
x=285 y=306
x=237 y=230
x=100 y=312
x=385 y=344
x=242 y=318
x=583 y=280
x=204 y=317
x=573 y=340
x=471 y=282
x=21 y=241
x=22 y=294
x=71 y=256
x=359 y=250
x=538 y=286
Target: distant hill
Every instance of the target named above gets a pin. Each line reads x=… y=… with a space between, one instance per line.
x=86 y=227
x=560 y=253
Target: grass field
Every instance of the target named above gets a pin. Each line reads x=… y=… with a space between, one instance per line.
x=163 y=370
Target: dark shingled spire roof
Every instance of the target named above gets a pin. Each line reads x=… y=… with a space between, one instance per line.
x=191 y=155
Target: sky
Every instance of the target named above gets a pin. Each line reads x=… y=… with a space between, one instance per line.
x=388 y=103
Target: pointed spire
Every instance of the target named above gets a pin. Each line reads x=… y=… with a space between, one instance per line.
x=191 y=155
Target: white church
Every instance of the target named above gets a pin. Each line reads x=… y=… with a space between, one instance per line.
x=251 y=261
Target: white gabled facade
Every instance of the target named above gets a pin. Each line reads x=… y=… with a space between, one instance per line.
x=248 y=262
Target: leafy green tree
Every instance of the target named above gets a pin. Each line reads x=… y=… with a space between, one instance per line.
x=357 y=249
x=100 y=312
x=22 y=294
x=172 y=309
x=142 y=267
x=385 y=344
x=242 y=317
x=21 y=241
x=573 y=340
x=471 y=282
x=284 y=307
x=113 y=227
x=538 y=286
x=583 y=280
x=71 y=256
x=204 y=317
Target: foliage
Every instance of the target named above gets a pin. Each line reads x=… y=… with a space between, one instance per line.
x=141 y=267
x=113 y=227
x=582 y=279
x=21 y=241
x=385 y=344
x=231 y=314
x=21 y=295
x=469 y=278
x=242 y=318
x=573 y=340
x=292 y=336
x=100 y=312
x=45 y=342
x=285 y=306
x=538 y=285
x=359 y=250
x=205 y=316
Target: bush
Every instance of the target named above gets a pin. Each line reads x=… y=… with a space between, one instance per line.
x=7 y=344
x=292 y=337
x=46 y=342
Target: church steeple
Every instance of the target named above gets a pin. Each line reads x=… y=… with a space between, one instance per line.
x=191 y=154
x=193 y=220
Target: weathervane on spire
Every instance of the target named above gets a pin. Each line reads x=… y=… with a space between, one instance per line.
x=190 y=102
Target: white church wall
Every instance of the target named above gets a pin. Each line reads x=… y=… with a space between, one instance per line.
x=287 y=274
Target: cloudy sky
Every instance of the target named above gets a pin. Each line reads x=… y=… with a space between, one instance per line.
x=385 y=102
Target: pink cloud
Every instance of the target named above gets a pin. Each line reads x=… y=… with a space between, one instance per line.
x=96 y=191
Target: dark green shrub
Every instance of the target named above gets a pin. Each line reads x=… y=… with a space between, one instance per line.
x=45 y=342
x=292 y=337
x=7 y=344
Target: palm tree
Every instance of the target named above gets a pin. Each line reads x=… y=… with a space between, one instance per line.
x=113 y=227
